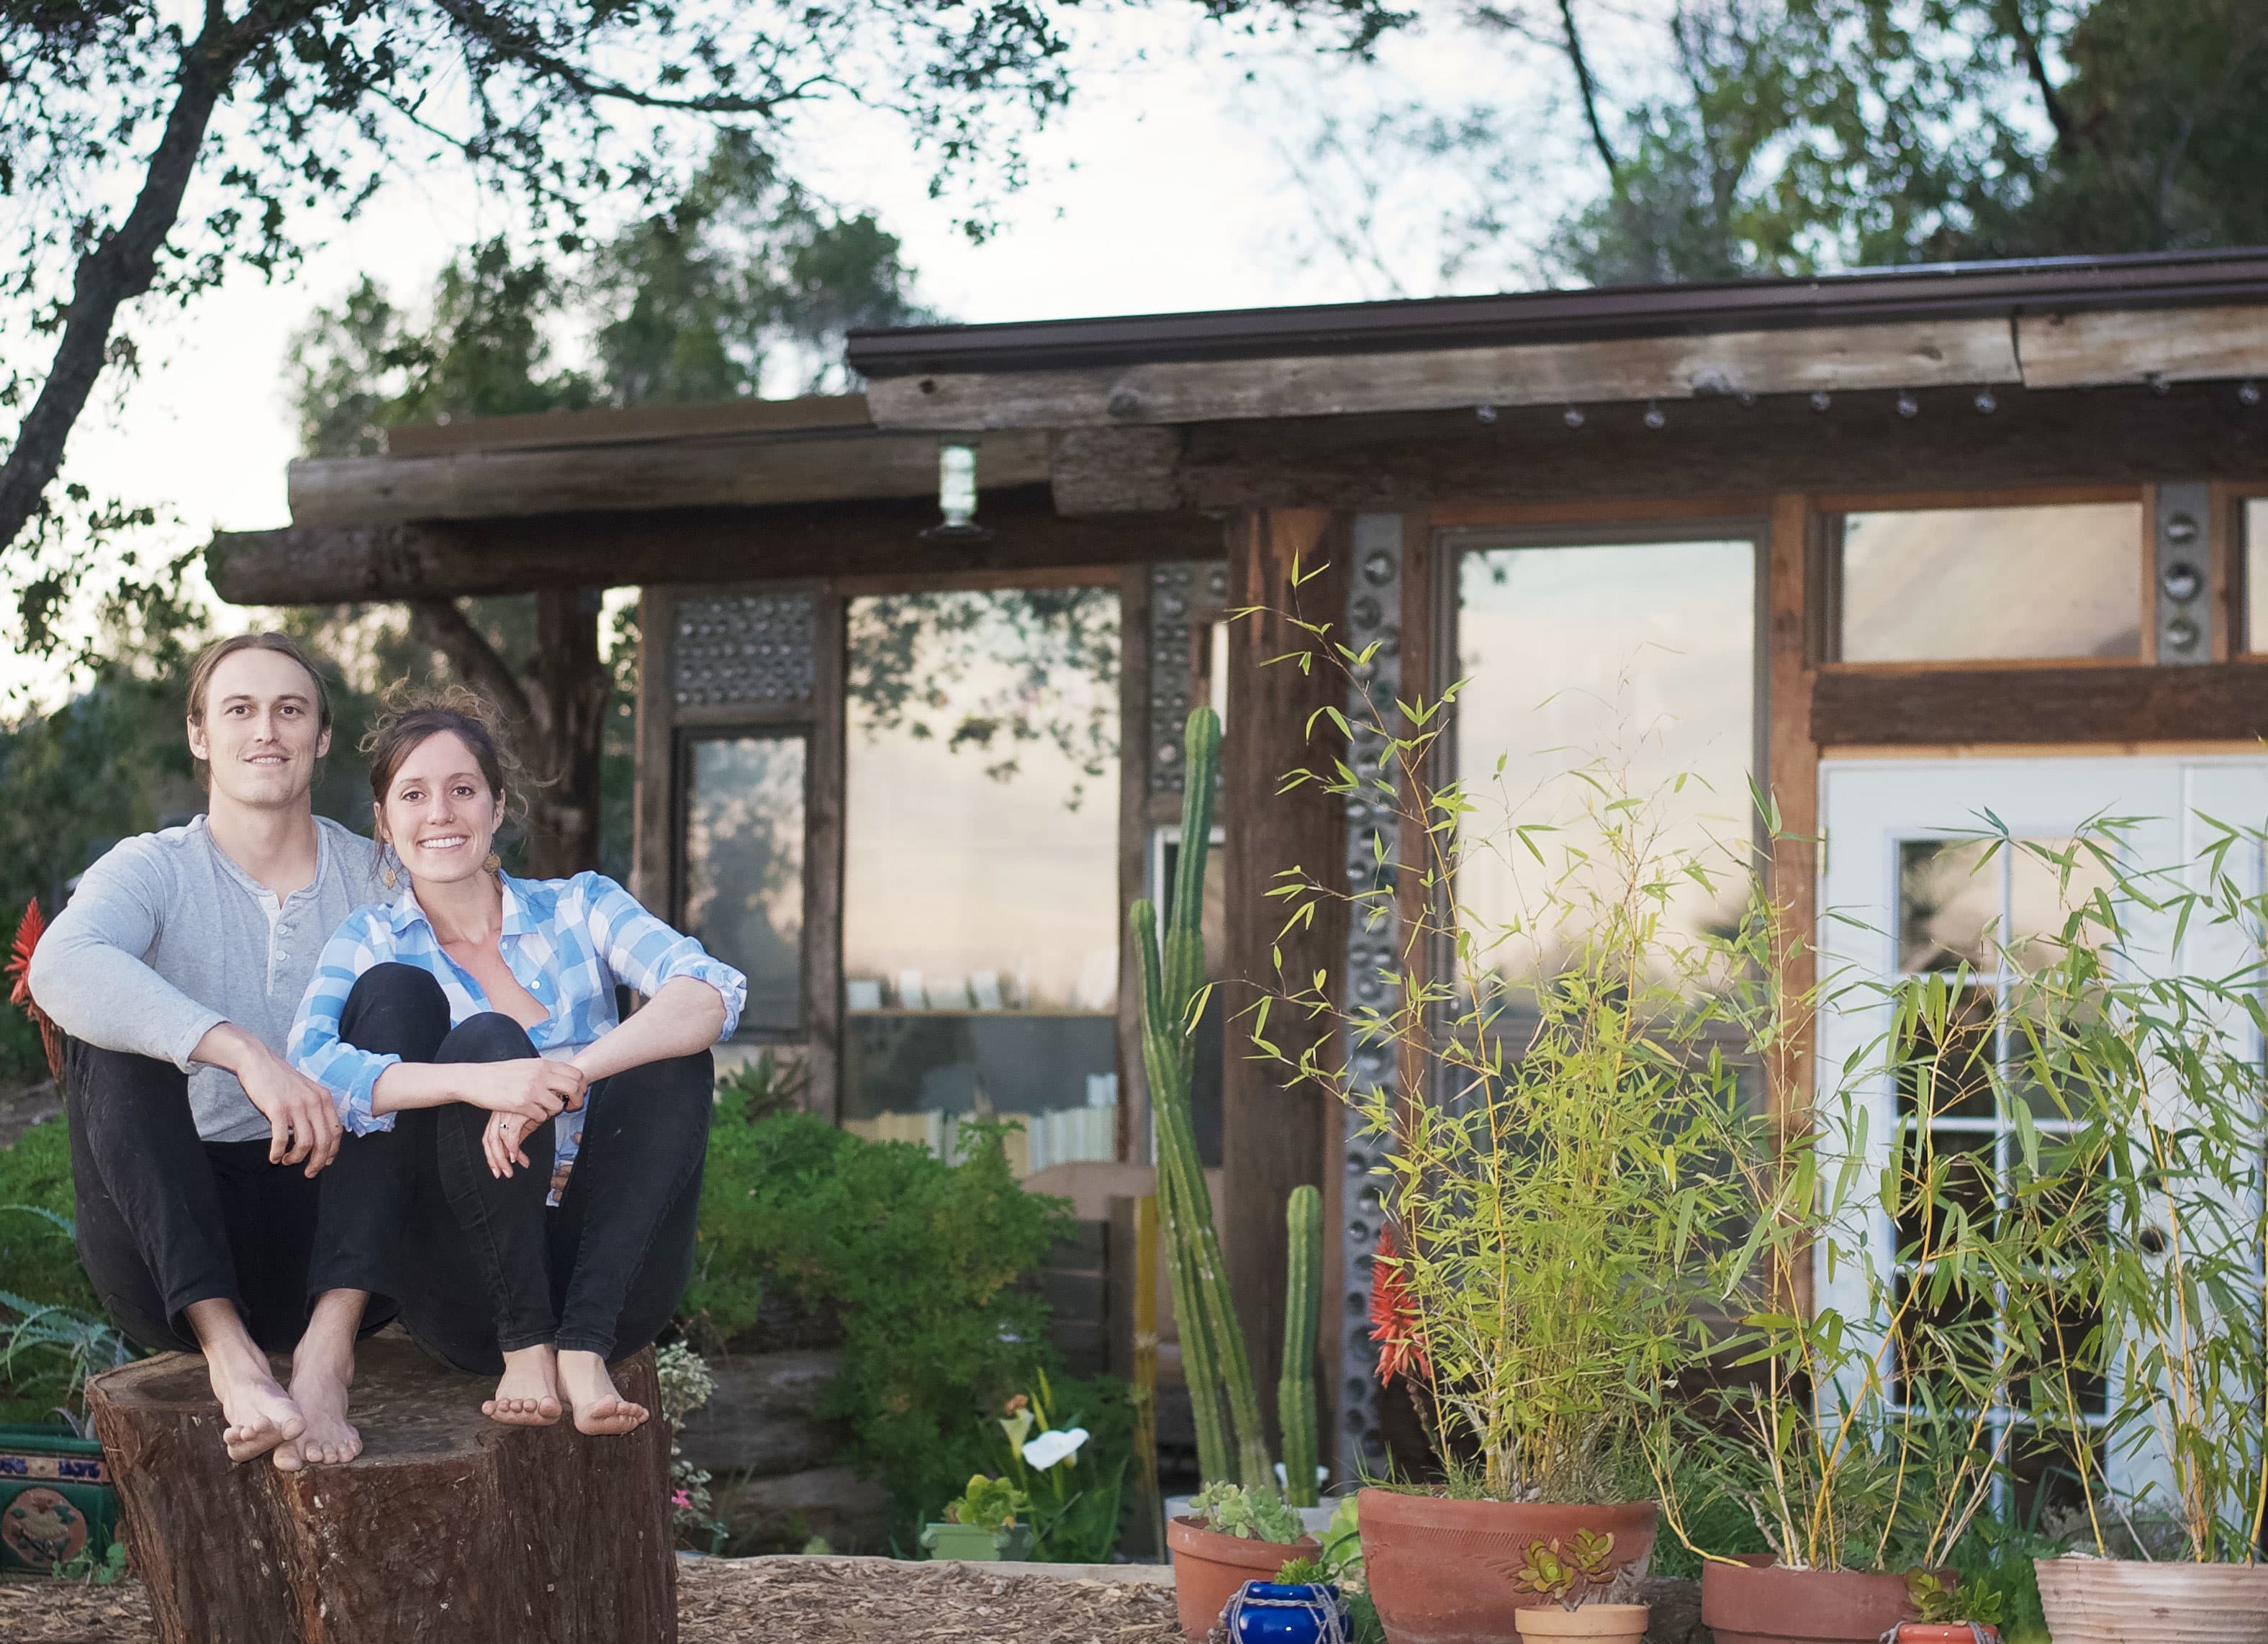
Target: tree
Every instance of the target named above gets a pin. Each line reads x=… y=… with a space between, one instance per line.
x=143 y=155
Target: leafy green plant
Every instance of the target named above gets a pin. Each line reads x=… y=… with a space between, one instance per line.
x=989 y=1504
x=1303 y=1572
x=1254 y=1514
x=922 y=1261
x=1072 y=1482
x=1936 y=1600
x=686 y=1385
x=769 y=1085
x=1565 y=1574
x=107 y=1571
x=53 y=1335
x=1216 y=1364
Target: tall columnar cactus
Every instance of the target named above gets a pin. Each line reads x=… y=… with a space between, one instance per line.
x=1303 y=1301
x=1214 y=1361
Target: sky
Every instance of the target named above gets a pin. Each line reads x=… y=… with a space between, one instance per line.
x=1191 y=172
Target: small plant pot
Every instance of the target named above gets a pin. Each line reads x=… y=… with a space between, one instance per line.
x=1763 y=1604
x=1286 y=1612
x=1208 y=1567
x=1440 y=1571
x=1945 y=1632
x=57 y=1504
x=976 y=1543
x=2125 y=1601
x=1600 y=1623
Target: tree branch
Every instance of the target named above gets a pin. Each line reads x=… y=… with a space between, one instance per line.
x=521 y=47
x=1589 y=89
x=2027 y=48
x=442 y=625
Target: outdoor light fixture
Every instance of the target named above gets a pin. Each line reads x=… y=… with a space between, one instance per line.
x=956 y=497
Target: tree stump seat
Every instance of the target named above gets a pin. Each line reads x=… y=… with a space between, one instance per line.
x=449 y=1527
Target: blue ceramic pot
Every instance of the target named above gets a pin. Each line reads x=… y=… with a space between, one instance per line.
x=1276 y=1613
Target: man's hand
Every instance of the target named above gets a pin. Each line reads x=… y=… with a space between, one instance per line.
x=302 y=1123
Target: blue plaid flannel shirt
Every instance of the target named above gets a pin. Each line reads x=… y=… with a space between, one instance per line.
x=567 y=941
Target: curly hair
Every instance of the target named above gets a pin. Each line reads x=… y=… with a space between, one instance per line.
x=416 y=714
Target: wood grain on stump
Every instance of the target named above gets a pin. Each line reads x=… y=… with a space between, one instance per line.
x=448 y=1527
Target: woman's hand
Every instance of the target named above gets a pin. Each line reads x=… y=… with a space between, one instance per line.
x=503 y=1139
x=534 y=1088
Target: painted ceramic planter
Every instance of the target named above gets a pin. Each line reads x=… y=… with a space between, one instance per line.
x=2123 y=1601
x=1596 y=1624
x=1208 y=1567
x=57 y=1504
x=1763 y=1604
x=1286 y=1613
x=1440 y=1571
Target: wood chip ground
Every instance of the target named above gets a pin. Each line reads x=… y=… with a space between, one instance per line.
x=741 y=1600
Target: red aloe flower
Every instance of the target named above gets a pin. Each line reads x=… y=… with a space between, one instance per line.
x=1394 y=1322
x=18 y=974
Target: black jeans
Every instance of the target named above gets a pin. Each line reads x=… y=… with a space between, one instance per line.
x=487 y=1267
x=165 y=1220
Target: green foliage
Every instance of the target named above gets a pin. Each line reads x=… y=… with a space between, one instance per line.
x=921 y=1260
x=1216 y=1365
x=106 y=1571
x=1936 y=1600
x=990 y=1504
x=1071 y=1465
x=53 y=1335
x=1254 y=1514
x=1565 y=1574
x=1302 y=1573
x=767 y=1086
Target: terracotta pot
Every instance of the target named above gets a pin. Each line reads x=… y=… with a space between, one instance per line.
x=1945 y=1632
x=1440 y=1572
x=1763 y=1604
x=1208 y=1567
x=1604 y=1624
x=2124 y=1601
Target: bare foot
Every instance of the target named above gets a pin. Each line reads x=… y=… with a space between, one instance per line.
x=590 y=1393
x=319 y=1379
x=259 y=1414
x=528 y=1395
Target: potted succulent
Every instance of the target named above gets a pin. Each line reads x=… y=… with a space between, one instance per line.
x=1568 y=1575
x=1555 y=1218
x=1948 y=1613
x=1229 y=1537
x=990 y=1520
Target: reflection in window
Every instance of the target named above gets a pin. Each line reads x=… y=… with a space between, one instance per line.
x=2255 y=574
x=1936 y=584
x=744 y=817
x=1638 y=659
x=980 y=924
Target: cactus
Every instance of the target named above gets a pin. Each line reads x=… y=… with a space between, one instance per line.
x=1303 y=1298
x=1214 y=1360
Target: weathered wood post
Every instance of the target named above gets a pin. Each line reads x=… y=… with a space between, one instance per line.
x=449 y=1527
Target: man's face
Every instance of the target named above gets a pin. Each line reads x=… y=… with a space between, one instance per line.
x=259 y=734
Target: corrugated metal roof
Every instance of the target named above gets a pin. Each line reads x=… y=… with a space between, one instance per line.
x=1949 y=290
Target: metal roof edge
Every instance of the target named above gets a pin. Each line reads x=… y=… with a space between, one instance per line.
x=1861 y=296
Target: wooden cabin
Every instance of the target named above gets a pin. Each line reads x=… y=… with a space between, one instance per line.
x=1897 y=547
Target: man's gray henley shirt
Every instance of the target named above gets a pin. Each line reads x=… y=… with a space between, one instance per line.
x=166 y=938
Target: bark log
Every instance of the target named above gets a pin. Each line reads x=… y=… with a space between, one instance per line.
x=449 y=1527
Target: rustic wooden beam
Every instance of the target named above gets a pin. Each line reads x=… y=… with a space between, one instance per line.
x=746 y=470
x=1892 y=707
x=1705 y=447
x=1910 y=354
x=609 y=427
x=1274 y=1137
x=2083 y=349
x=308 y=565
x=1792 y=639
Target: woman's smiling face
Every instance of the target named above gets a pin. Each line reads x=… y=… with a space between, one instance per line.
x=440 y=814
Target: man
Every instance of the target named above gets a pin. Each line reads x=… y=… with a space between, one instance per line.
x=220 y=1210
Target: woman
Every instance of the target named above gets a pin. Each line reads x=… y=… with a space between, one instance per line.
x=553 y=1168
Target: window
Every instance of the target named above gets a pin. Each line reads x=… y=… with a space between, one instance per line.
x=1636 y=657
x=981 y=919
x=744 y=830
x=1942 y=585
x=2255 y=573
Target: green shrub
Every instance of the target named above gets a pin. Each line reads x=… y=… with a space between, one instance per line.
x=921 y=1260
x=39 y=1266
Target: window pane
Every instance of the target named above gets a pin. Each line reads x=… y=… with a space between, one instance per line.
x=2255 y=574
x=980 y=921
x=744 y=868
x=1640 y=657
x=1986 y=584
x=1949 y=903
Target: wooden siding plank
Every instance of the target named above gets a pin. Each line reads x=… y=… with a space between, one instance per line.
x=1901 y=354
x=2056 y=704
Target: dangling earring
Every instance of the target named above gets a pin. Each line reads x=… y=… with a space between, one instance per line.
x=385 y=867
x=492 y=862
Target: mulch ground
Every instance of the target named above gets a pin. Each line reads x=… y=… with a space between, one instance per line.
x=740 y=1601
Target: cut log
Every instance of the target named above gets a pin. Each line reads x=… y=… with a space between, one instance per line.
x=448 y=1527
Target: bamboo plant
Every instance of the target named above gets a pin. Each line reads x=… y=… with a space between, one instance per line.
x=1232 y=1445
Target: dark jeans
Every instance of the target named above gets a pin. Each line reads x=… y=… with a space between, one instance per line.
x=165 y=1220
x=487 y=1267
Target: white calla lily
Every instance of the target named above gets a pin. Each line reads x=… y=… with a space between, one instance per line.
x=1046 y=1450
